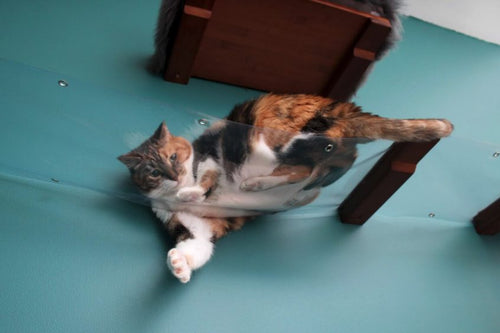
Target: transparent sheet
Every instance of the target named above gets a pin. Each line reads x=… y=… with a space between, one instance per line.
x=72 y=135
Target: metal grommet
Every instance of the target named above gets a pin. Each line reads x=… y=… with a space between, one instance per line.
x=329 y=148
x=62 y=83
x=203 y=122
x=496 y=154
x=432 y=215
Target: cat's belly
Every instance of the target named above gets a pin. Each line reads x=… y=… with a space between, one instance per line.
x=232 y=201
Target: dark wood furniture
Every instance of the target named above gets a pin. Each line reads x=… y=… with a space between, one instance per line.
x=283 y=46
x=390 y=172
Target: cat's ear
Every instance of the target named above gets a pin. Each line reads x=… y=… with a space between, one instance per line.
x=131 y=160
x=161 y=133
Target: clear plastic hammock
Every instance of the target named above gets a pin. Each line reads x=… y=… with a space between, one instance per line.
x=70 y=133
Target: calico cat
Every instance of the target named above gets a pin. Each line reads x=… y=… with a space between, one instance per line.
x=270 y=154
x=171 y=11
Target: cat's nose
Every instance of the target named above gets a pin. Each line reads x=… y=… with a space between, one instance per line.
x=171 y=174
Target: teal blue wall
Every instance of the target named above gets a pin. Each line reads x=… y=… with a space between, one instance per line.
x=76 y=260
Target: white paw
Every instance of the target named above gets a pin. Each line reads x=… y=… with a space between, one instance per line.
x=252 y=185
x=178 y=265
x=191 y=194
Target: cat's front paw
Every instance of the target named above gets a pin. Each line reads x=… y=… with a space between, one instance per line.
x=178 y=265
x=191 y=194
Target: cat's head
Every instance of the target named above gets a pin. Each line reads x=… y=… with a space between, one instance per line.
x=161 y=164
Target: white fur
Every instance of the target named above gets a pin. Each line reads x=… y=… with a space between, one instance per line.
x=162 y=214
x=197 y=193
x=207 y=165
x=192 y=253
x=188 y=178
x=191 y=194
x=261 y=162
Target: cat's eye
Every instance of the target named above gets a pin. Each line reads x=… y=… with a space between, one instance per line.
x=155 y=173
x=173 y=157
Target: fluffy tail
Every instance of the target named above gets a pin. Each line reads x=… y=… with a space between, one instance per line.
x=168 y=20
x=408 y=130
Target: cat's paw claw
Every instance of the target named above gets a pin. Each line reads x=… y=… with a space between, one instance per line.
x=191 y=194
x=178 y=265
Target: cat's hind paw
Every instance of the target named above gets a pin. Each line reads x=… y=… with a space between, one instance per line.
x=191 y=194
x=258 y=184
x=178 y=265
x=252 y=185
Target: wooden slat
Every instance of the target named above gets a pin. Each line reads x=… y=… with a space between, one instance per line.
x=347 y=79
x=392 y=170
x=487 y=221
x=187 y=42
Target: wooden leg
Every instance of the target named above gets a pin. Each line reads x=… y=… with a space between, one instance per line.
x=384 y=179
x=195 y=17
x=487 y=221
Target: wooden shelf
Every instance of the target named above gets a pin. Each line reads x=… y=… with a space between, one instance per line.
x=282 y=46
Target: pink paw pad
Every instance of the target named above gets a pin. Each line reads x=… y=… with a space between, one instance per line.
x=178 y=265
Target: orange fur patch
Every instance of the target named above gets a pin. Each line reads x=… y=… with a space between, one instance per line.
x=209 y=180
x=280 y=117
x=220 y=226
x=294 y=173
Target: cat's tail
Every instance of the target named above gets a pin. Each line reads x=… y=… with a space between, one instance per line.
x=372 y=127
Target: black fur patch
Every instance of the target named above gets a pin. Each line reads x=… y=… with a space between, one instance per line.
x=178 y=231
x=243 y=113
x=318 y=124
x=236 y=135
x=309 y=151
x=331 y=175
x=206 y=146
x=232 y=138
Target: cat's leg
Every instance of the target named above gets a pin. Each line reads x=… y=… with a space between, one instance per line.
x=194 y=246
x=195 y=237
x=282 y=175
x=163 y=214
x=303 y=198
x=207 y=177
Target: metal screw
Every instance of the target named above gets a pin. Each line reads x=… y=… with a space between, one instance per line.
x=62 y=83
x=432 y=215
x=203 y=122
x=329 y=148
x=496 y=154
